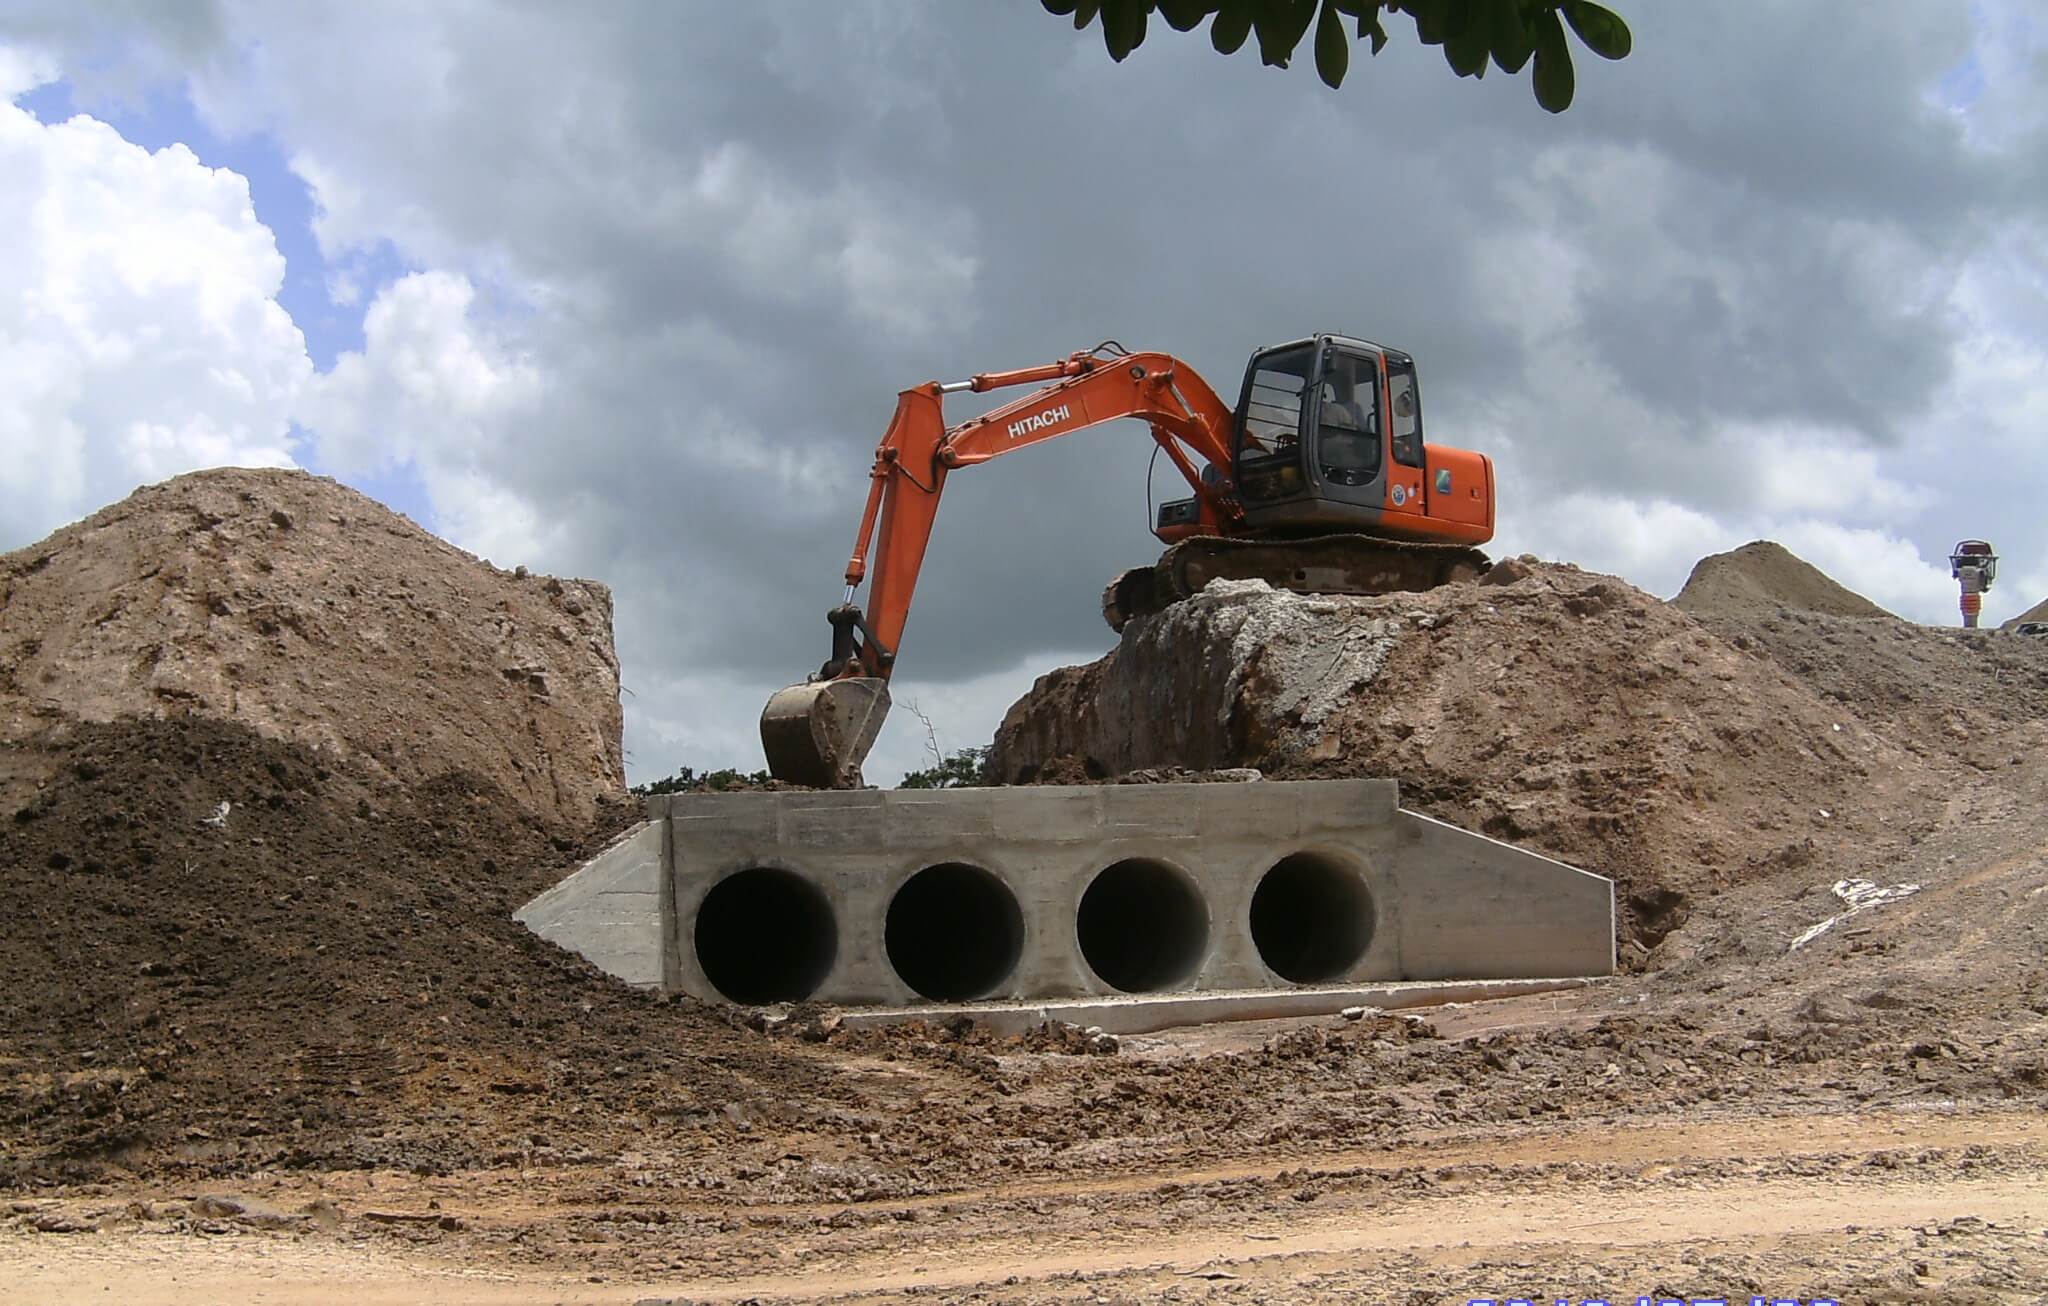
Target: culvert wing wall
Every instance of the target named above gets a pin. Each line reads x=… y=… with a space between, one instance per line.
x=900 y=896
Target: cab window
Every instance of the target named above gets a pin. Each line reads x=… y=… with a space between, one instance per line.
x=1273 y=398
x=1276 y=390
x=1407 y=413
x=1347 y=423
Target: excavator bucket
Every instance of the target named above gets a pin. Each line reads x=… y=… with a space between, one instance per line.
x=820 y=732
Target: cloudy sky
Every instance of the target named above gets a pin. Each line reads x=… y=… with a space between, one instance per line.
x=626 y=291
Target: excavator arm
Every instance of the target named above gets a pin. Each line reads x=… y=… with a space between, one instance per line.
x=820 y=731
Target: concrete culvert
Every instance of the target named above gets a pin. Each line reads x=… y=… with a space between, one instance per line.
x=1312 y=918
x=1142 y=926
x=954 y=932
x=766 y=935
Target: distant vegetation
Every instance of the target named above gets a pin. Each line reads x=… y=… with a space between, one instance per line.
x=966 y=769
x=687 y=781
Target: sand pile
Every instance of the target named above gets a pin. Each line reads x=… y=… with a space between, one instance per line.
x=1765 y=577
x=303 y=609
x=2039 y=612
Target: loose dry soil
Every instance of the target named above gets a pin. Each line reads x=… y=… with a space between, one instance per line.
x=303 y=609
x=301 y=1052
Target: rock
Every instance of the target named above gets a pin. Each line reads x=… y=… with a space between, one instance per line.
x=1239 y=675
x=323 y=1213
x=1507 y=571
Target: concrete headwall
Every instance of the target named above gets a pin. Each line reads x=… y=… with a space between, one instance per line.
x=907 y=896
x=616 y=910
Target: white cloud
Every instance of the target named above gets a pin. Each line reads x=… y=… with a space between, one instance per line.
x=140 y=334
x=435 y=388
x=1801 y=470
x=1653 y=543
x=21 y=71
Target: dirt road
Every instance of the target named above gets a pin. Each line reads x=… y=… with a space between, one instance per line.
x=1930 y=1205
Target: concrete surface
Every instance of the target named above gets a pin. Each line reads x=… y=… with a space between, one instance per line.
x=615 y=911
x=1146 y=1013
x=904 y=897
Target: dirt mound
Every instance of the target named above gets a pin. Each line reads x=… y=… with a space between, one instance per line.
x=1763 y=576
x=2039 y=612
x=300 y=607
x=237 y=952
x=1565 y=711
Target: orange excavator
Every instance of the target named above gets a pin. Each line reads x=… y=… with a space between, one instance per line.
x=1319 y=480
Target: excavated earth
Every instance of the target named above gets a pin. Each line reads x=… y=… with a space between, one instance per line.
x=299 y=1051
x=2039 y=612
x=1680 y=748
x=301 y=608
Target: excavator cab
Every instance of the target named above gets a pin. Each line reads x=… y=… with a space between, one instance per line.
x=1321 y=426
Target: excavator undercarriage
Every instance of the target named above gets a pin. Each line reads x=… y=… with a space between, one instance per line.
x=1321 y=564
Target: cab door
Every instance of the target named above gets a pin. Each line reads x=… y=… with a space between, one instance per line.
x=1349 y=463
x=1408 y=473
x=1451 y=488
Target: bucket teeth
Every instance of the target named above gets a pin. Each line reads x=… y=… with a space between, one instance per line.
x=819 y=733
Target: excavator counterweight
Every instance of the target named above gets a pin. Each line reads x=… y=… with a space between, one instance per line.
x=1320 y=480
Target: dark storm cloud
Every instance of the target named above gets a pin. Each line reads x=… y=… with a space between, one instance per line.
x=1181 y=201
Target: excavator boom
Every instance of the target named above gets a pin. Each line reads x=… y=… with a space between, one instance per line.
x=819 y=732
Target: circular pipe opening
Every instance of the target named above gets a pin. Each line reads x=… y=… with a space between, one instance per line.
x=1142 y=926
x=954 y=932
x=766 y=935
x=1312 y=918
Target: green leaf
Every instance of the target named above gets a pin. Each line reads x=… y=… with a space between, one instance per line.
x=1281 y=24
x=1123 y=26
x=1508 y=34
x=1601 y=29
x=1333 y=47
x=1061 y=7
x=1185 y=15
x=1084 y=13
x=1466 y=45
x=1432 y=19
x=1369 y=26
x=1233 y=24
x=1553 y=78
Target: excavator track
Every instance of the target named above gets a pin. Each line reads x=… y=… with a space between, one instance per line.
x=1321 y=564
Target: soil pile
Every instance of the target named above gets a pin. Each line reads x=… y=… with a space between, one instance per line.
x=311 y=613
x=2039 y=612
x=1567 y=712
x=235 y=952
x=1765 y=577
